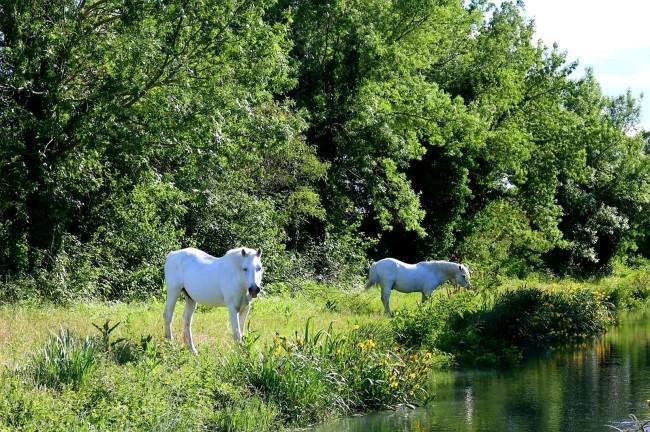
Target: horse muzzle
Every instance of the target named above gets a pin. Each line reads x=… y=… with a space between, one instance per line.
x=254 y=291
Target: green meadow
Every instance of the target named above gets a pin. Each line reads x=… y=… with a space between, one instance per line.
x=309 y=356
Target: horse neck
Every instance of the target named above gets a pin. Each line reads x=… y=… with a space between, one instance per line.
x=445 y=269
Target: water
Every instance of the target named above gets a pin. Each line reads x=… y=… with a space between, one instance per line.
x=580 y=389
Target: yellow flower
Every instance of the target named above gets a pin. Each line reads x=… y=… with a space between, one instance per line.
x=355 y=327
x=368 y=344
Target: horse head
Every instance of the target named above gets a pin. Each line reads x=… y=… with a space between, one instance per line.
x=252 y=270
x=461 y=276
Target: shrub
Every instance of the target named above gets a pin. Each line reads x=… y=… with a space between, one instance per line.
x=524 y=321
x=419 y=327
x=627 y=288
x=518 y=323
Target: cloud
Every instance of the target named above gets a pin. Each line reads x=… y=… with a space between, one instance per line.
x=611 y=37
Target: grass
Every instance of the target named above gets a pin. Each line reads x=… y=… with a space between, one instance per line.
x=320 y=353
x=284 y=374
x=65 y=360
x=25 y=327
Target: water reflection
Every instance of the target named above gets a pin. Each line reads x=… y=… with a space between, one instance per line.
x=580 y=389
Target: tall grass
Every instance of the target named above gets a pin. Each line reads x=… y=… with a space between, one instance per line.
x=319 y=374
x=64 y=360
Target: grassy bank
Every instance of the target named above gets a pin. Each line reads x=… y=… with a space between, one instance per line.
x=320 y=353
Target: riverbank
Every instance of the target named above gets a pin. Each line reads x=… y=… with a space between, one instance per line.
x=314 y=355
x=592 y=386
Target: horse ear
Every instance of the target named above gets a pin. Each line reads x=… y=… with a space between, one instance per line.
x=243 y=252
x=259 y=252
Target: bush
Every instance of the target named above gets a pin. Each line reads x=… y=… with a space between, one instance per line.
x=627 y=288
x=420 y=327
x=522 y=322
x=518 y=323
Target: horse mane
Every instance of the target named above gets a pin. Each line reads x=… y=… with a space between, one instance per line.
x=447 y=267
x=237 y=251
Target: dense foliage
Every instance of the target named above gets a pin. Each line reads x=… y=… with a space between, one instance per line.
x=324 y=132
x=520 y=322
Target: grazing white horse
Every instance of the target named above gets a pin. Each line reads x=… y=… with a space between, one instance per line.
x=232 y=280
x=424 y=277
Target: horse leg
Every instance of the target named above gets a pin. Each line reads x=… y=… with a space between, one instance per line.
x=385 y=297
x=426 y=294
x=190 y=307
x=234 y=323
x=168 y=313
x=243 y=314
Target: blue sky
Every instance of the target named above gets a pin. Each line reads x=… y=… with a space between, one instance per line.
x=613 y=37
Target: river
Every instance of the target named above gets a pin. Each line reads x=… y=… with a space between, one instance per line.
x=577 y=389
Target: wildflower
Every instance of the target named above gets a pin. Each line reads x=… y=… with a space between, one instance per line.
x=367 y=345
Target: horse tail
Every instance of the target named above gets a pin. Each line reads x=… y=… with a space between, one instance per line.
x=372 y=276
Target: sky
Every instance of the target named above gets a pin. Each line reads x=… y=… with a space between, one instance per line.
x=613 y=37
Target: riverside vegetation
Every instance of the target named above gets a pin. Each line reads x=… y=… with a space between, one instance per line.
x=311 y=355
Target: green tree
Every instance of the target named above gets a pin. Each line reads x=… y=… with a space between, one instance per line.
x=107 y=104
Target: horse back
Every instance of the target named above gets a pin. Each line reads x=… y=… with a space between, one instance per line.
x=186 y=261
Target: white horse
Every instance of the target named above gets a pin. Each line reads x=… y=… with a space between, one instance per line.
x=424 y=277
x=232 y=280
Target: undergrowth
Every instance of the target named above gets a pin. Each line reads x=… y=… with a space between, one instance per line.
x=136 y=381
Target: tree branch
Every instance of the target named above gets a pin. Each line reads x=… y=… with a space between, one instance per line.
x=168 y=58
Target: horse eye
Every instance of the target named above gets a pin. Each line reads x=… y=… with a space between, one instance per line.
x=245 y=269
